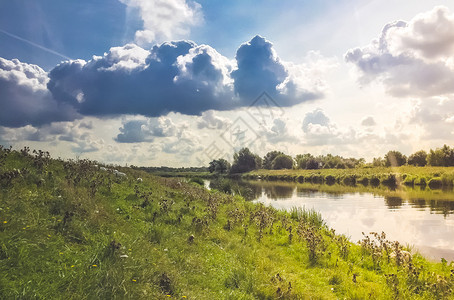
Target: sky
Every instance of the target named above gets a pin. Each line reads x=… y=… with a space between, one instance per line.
x=179 y=82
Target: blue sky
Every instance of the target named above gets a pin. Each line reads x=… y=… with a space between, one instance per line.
x=363 y=77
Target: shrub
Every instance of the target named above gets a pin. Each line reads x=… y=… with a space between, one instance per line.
x=435 y=183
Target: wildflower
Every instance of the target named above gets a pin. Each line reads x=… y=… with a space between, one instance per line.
x=72 y=266
x=94 y=266
x=23 y=228
x=4 y=222
x=169 y=296
x=134 y=280
x=60 y=253
x=48 y=235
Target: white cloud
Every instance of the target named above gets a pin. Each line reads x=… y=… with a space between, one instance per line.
x=411 y=59
x=128 y=57
x=310 y=76
x=210 y=120
x=142 y=129
x=165 y=19
x=368 y=121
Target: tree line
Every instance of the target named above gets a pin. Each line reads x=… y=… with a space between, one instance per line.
x=245 y=160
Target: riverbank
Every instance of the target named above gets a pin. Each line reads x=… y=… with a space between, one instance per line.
x=432 y=177
x=75 y=229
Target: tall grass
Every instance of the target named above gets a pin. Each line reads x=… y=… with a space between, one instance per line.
x=69 y=229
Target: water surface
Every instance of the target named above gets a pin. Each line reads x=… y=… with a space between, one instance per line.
x=423 y=219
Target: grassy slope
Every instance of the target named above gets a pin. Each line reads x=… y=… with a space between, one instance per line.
x=65 y=225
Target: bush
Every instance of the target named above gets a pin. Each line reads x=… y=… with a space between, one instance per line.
x=282 y=161
x=330 y=179
x=435 y=183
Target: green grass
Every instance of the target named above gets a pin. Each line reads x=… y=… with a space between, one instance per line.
x=70 y=230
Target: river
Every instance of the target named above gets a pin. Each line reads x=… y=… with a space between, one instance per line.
x=422 y=219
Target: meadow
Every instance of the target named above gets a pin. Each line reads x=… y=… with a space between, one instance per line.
x=78 y=229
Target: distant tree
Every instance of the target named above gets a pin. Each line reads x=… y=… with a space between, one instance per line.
x=378 y=162
x=418 y=158
x=268 y=159
x=282 y=161
x=441 y=156
x=312 y=164
x=220 y=166
x=302 y=159
x=245 y=161
x=395 y=159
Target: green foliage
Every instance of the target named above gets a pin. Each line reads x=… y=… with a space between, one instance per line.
x=312 y=164
x=441 y=157
x=69 y=229
x=435 y=183
x=197 y=180
x=418 y=159
x=268 y=159
x=219 y=166
x=302 y=160
x=245 y=161
x=282 y=161
x=395 y=159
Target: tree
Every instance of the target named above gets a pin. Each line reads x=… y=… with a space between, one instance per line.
x=395 y=159
x=302 y=159
x=220 y=166
x=441 y=156
x=245 y=161
x=418 y=158
x=312 y=164
x=268 y=159
x=282 y=161
x=378 y=162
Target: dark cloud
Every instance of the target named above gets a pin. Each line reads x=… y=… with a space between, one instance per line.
x=411 y=59
x=260 y=70
x=132 y=132
x=24 y=98
x=177 y=76
x=172 y=78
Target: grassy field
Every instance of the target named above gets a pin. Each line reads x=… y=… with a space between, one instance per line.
x=73 y=230
x=433 y=177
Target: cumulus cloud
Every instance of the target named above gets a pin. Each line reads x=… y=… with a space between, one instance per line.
x=210 y=120
x=145 y=130
x=414 y=58
x=186 y=143
x=25 y=99
x=319 y=130
x=165 y=19
x=435 y=116
x=76 y=133
x=277 y=132
x=159 y=85
x=368 y=121
x=175 y=76
x=259 y=69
